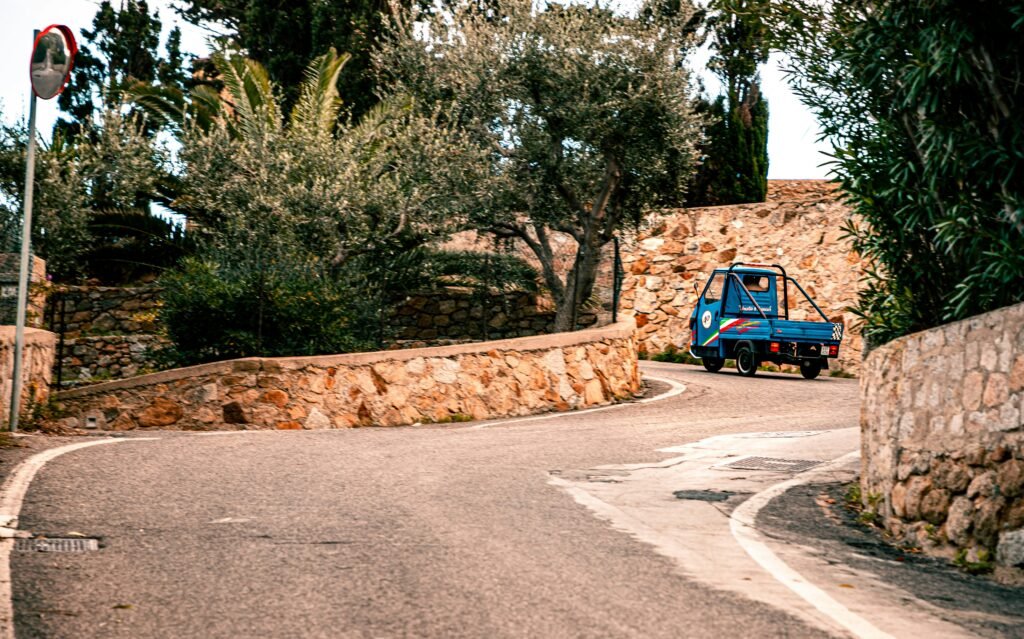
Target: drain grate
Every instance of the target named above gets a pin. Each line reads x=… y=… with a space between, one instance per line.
x=79 y=544
x=703 y=495
x=772 y=463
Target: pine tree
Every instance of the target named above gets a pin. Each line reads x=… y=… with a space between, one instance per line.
x=735 y=156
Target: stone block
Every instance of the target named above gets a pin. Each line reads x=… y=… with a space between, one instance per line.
x=986 y=520
x=1010 y=550
x=276 y=397
x=1009 y=478
x=935 y=506
x=996 y=391
x=959 y=520
x=234 y=413
x=917 y=487
x=972 y=390
x=161 y=412
x=952 y=476
x=982 y=485
x=1016 y=377
x=317 y=420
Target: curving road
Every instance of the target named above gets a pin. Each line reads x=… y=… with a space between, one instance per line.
x=456 y=531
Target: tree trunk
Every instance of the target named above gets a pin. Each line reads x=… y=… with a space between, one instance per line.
x=579 y=284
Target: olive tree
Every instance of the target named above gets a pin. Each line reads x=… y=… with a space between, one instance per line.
x=307 y=225
x=581 y=111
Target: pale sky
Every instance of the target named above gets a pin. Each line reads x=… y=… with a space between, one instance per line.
x=792 y=130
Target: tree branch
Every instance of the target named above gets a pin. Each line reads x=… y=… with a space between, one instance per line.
x=612 y=178
x=542 y=249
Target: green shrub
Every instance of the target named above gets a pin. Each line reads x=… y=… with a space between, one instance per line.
x=222 y=310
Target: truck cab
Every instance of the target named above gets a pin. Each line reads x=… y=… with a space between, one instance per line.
x=743 y=314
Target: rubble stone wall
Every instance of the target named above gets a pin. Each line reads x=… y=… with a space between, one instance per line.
x=799 y=227
x=94 y=359
x=458 y=314
x=942 y=422
x=450 y=383
x=38 y=354
x=105 y=310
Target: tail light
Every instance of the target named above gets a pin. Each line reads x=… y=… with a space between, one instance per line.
x=833 y=350
x=773 y=347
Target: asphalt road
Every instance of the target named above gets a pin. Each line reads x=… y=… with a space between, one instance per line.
x=452 y=531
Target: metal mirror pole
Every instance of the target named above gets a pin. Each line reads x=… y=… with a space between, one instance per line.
x=26 y=241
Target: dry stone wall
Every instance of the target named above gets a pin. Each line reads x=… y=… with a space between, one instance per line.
x=799 y=227
x=451 y=383
x=96 y=359
x=105 y=310
x=109 y=332
x=38 y=355
x=113 y=333
x=458 y=314
x=942 y=422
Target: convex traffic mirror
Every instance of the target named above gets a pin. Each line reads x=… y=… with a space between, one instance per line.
x=52 y=57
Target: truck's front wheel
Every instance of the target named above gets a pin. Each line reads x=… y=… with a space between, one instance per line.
x=810 y=368
x=746 y=361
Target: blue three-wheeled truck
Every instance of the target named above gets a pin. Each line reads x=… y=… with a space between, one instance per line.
x=743 y=314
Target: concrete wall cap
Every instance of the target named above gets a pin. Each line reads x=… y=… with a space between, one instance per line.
x=32 y=335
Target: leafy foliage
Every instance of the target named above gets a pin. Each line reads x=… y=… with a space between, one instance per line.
x=89 y=215
x=284 y=37
x=734 y=157
x=482 y=271
x=118 y=53
x=304 y=221
x=734 y=166
x=242 y=306
x=921 y=101
x=580 y=111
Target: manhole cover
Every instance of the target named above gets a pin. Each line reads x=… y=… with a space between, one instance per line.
x=781 y=434
x=78 y=544
x=703 y=495
x=771 y=463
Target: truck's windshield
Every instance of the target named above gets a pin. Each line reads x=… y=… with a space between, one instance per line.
x=713 y=291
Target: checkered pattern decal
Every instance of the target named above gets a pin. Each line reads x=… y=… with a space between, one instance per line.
x=837 y=332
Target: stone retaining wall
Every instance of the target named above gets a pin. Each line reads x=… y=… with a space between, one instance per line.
x=458 y=314
x=89 y=360
x=943 y=437
x=36 y=373
x=105 y=310
x=450 y=383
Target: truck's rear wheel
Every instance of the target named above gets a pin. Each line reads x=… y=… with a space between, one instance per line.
x=746 y=361
x=713 y=364
x=810 y=368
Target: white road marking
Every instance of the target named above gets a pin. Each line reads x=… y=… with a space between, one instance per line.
x=676 y=389
x=12 y=494
x=742 y=523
